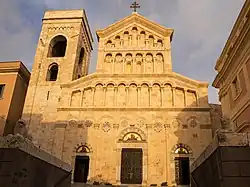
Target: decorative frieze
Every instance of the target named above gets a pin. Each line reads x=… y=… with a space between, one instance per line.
x=106 y=126
x=158 y=127
x=61 y=28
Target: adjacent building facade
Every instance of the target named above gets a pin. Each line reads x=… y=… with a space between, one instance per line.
x=14 y=80
x=233 y=78
x=133 y=121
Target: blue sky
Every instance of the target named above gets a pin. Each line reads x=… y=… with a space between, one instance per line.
x=201 y=28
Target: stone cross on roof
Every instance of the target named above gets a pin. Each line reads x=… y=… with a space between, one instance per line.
x=135 y=5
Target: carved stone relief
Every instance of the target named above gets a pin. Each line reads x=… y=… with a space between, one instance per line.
x=116 y=126
x=193 y=123
x=158 y=127
x=140 y=123
x=88 y=123
x=124 y=123
x=72 y=123
x=97 y=125
x=106 y=126
x=176 y=124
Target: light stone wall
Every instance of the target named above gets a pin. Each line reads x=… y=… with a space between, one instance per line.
x=123 y=96
x=102 y=130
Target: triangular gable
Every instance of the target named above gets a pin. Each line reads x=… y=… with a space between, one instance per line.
x=135 y=18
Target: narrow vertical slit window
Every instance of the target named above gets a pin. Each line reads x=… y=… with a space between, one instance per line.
x=48 y=95
x=2 y=86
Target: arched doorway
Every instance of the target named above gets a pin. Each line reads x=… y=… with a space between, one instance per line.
x=181 y=154
x=133 y=153
x=82 y=163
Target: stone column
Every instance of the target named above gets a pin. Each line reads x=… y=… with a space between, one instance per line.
x=93 y=96
x=118 y=165
x=113 y=65
x=139 y=95
x=115 y=96
x=134 y=65
x=167 y=55
x=174 y=96
x=150 y=91
x=124 y=63
x=105 y=93
x=127 y=95
x=81 y=97
x=162 y=96
x=154 y=65
x=144 y=64
x=185 y=96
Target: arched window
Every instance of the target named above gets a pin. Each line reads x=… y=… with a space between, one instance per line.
x=52 y=72
x=159 y=43
x=117 y=37
x=57 y=47
x=142 y=32
x=151 y=37
x=134 y=28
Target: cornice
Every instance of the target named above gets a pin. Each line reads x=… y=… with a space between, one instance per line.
x=171 y=75
x=15 y=67
x=135 y=18
x=233 y=54
x=229 y=74
x=134 y=109
x=244 y=14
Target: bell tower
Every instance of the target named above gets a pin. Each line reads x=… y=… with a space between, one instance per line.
x=64 y=47
x=62 y=55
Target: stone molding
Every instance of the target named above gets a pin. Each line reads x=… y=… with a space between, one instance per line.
x=135 y=18
x=92 y=79
x=235 y=33
x=197 y=109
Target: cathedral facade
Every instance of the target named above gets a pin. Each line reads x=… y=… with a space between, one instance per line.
x=133 y=121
